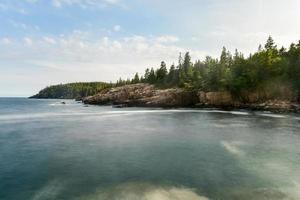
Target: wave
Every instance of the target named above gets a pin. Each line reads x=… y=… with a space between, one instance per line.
x=117 y=113
x=181 y=111
x=272 y=115
x=143 y=191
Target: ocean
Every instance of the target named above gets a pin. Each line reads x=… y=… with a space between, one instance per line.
x=50 y=150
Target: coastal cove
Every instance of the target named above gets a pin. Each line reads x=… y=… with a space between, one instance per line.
x=51 y=150
x=149 y=100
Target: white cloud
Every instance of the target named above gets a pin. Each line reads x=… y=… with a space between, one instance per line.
x=81 y=58
x=86 y=3
x=11 y=7
x=25 y=27
x=117 y=28
x=5 y=41
x=168 y=39
x=27 y=41
x=56 y=3
x=49 y=40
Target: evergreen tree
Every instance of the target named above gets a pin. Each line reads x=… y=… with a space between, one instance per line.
x=147 y=74
x=270 y=45
x=161 y=73
x=136 y=79
x=152 y=76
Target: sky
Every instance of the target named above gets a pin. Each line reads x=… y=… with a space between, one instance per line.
x=45 y=42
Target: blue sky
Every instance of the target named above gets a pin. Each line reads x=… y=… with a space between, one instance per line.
x=44 y=42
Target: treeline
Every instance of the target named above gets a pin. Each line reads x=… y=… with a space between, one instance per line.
x=271 y=70
x=267 y=70
x=72 y=90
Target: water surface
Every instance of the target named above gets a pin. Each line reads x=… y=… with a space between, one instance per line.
x=53 y=151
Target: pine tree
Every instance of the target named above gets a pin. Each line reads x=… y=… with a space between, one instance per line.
x=147 y=74
x=161 y=73
x=136 y=79
x=270 y=45
x=152 y=77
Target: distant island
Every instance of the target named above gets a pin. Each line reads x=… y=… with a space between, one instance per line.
x=268 y=79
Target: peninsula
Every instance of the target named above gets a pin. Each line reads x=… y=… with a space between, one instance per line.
x=268 y=79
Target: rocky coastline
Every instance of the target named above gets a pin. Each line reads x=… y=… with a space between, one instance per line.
x=145 y=95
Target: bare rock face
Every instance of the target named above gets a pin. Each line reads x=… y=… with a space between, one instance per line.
x=171 y=98
x=216 y=98
x=144 y=95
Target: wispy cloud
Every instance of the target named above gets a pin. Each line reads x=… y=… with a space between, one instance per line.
x=5 y=41
x=80 y=53
x=20 y=25
x=11 y=7
x=86 y=3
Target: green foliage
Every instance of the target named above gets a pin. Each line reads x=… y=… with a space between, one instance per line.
x=161 y=73
x=233 y=73
x=136 y=79
x=72 y=90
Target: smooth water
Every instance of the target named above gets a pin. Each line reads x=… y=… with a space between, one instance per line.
x=53 y=151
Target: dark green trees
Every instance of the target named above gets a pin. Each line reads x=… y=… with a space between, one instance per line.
x=72 y=90
x=235 y=73
x=136 y=79
x=161 y=73
x=266 y=71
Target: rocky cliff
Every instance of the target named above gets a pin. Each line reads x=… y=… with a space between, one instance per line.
x=145 y=95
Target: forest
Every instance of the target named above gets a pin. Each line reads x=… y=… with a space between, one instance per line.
x=72 y=90
x=269 y=70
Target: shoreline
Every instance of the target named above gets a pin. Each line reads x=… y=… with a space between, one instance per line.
x=148 y=96
x=245 y=107
x=145 y=95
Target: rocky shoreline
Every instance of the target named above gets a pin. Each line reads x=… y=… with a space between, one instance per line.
x=145 y=95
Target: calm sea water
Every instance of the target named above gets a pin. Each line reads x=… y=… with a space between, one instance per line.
x=53 y=151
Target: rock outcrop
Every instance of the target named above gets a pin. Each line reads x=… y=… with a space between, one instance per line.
x=254 y=101
x=216 y=99
x=144 y=95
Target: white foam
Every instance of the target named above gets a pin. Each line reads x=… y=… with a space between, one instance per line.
x=272 y=115
x=140 y=191
x=180 y=111
x=116 y=113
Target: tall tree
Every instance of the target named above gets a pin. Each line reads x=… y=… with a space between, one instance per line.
x=161 y=73
x=136 y=79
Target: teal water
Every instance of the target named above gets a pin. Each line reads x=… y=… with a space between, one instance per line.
x=53 y=151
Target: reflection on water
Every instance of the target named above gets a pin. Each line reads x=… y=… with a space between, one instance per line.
x=54 y=151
